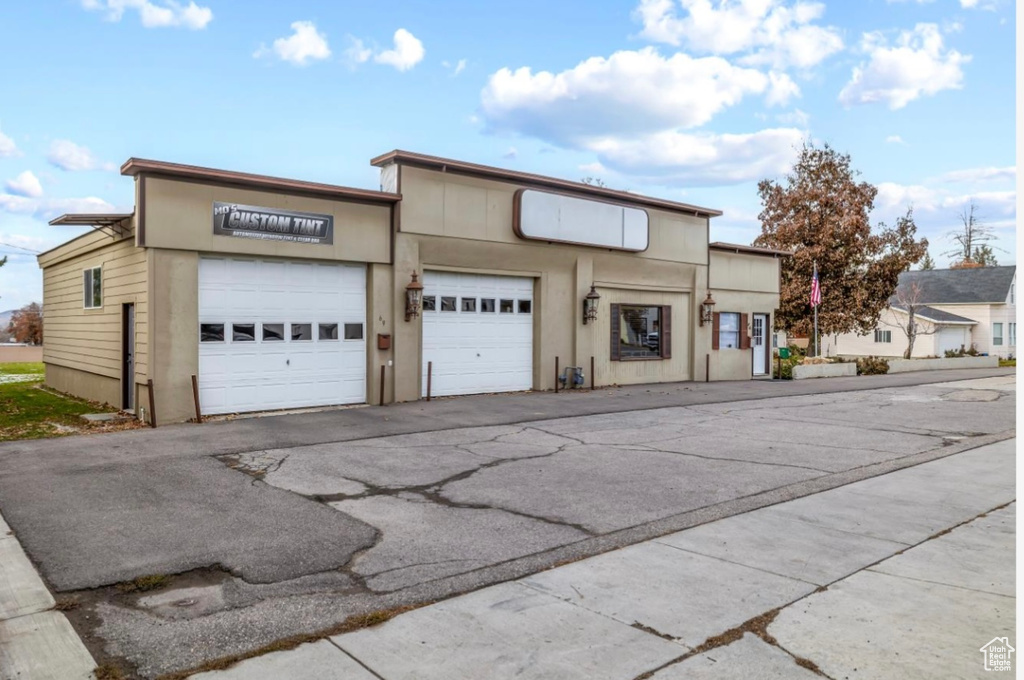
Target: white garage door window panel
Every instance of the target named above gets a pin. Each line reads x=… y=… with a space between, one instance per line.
x=265 y=375
x=478 y=352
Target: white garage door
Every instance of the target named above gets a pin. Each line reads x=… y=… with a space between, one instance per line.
x=952 y=338
x=478 y=332
x=277 y=334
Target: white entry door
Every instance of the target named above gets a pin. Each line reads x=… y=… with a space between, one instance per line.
x=757 y=343
x=277 y=334
x=477 y=332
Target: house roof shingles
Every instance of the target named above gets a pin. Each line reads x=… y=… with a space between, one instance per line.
x=979 y=285
x=938 y=316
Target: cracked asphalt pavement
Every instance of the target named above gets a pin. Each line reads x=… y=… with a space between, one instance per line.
x=287 y=525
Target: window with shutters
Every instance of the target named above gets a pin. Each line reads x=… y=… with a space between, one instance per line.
x=729 y=330
x=640 y=332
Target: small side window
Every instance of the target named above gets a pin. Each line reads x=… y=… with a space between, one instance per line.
x=328 y=331
x=469 y=304
x=273 y=332
x=447 y=304
x=243 y=332
x=429 y=303
x=302 y=332
x=211 y=332
x=508 y=306
x=92 y=288
x=353 y=331
x=487 y=305
x=525 y=306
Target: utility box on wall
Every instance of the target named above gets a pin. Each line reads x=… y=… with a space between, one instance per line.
x=383 y=341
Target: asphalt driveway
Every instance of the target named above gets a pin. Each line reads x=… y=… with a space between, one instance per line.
x=274 y=527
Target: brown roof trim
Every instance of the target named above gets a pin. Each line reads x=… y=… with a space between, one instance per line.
x=529 y=179
x=749 y=250
x=139 y=166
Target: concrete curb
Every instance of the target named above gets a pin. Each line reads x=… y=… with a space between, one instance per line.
x=36 y=642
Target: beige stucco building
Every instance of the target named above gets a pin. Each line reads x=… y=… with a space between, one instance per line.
x=279 y=293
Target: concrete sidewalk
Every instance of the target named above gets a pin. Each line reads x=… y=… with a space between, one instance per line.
x=36 y=642
x=905 y=575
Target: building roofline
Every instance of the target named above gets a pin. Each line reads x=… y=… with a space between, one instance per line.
x=749 y=250
x=139 y=166
x=489 y=172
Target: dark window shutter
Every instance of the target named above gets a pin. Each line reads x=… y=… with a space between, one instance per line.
x=716 y=326
x=744 y=336
x=666 y=332
x=616 y=340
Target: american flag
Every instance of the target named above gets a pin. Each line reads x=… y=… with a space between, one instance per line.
x=815 y=288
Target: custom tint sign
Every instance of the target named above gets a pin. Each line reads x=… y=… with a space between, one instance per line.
x=545 y=216
x=272 y=224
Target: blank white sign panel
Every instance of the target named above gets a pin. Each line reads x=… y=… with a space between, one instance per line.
x=545 y=216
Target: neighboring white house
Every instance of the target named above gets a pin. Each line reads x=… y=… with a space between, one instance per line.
x=955 y=308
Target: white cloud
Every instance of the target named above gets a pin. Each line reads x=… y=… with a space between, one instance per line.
x=895 y=139
x=922 y=198
x=160 y=14
x=408 y=51
x=794 y=117
x=976 y=175
x=765 y=31
x=512 y=153
x=67 y=155
x=25 y=184
x=47 y=209
x=357 y=52
x=917 y=65
x=627 y=93
x=456 y=68
x=7 y=147
x=305 y=44
x=703 y=159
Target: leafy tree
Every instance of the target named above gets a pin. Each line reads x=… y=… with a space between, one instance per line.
x=971 y=238
x=984 y=256
x=27 y=324
x=821 y=213
x=927 y=263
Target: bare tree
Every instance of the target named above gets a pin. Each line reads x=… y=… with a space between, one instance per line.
x=927 y=263
x=908 y=298
x=594 y=182
x=970 y=238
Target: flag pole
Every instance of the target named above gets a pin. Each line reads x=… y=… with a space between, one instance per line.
x=816 y=314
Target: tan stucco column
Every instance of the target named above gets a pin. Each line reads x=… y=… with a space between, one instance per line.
x=174 y=332
x=407 y=337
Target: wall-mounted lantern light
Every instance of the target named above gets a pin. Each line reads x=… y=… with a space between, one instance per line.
x=413 y=298
x=590 y=305
x=707 y=309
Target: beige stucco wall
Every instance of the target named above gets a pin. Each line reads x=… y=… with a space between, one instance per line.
x=744 y=272
x=456 y=223
x=746 y=284
x=458 y=206
x=179 y=215
x=83 y=348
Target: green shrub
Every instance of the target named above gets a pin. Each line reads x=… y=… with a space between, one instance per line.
x=872 y=366
x=787 y=366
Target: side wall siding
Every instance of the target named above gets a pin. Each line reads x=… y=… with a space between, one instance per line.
x=83 y=348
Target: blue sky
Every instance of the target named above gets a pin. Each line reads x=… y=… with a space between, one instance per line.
x=694 y=100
